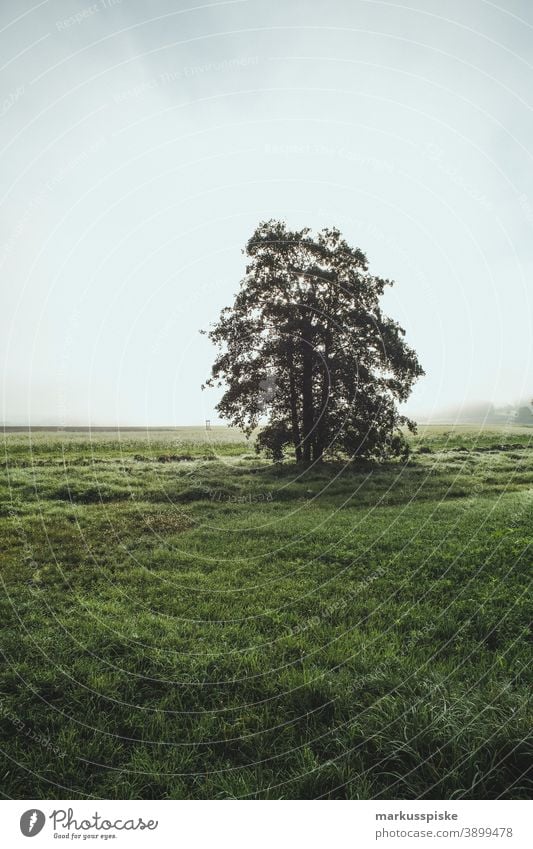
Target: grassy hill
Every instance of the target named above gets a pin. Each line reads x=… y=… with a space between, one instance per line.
x=181 y=619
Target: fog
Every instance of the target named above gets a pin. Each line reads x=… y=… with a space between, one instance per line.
x=142 y=143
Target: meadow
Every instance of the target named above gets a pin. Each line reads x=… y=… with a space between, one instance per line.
x=183 y=619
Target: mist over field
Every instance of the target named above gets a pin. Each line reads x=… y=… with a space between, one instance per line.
x=142 y=145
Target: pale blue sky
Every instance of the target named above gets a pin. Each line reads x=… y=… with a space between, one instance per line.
x=142 y=141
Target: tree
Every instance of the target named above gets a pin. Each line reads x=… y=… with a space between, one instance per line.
x=524 y=415
x=307 y=346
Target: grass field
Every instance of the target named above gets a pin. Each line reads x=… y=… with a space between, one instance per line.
x=182 y=620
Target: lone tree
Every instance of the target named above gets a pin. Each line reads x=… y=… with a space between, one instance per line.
x=306 y=346
x=524 y=415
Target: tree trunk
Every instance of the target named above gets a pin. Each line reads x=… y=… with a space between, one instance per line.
x=294 y=407
x=307 y=393
x=322 y=424
x=318 y=451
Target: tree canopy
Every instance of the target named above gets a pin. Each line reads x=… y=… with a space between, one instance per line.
x=306 y=352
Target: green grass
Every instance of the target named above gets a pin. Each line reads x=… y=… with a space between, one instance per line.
x=182 y=620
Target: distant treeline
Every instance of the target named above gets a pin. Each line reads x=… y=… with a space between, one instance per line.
x=487 y=413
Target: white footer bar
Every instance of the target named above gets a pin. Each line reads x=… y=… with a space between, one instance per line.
x=267 y=825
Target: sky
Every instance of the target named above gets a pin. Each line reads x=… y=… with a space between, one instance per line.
x=142 y=142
